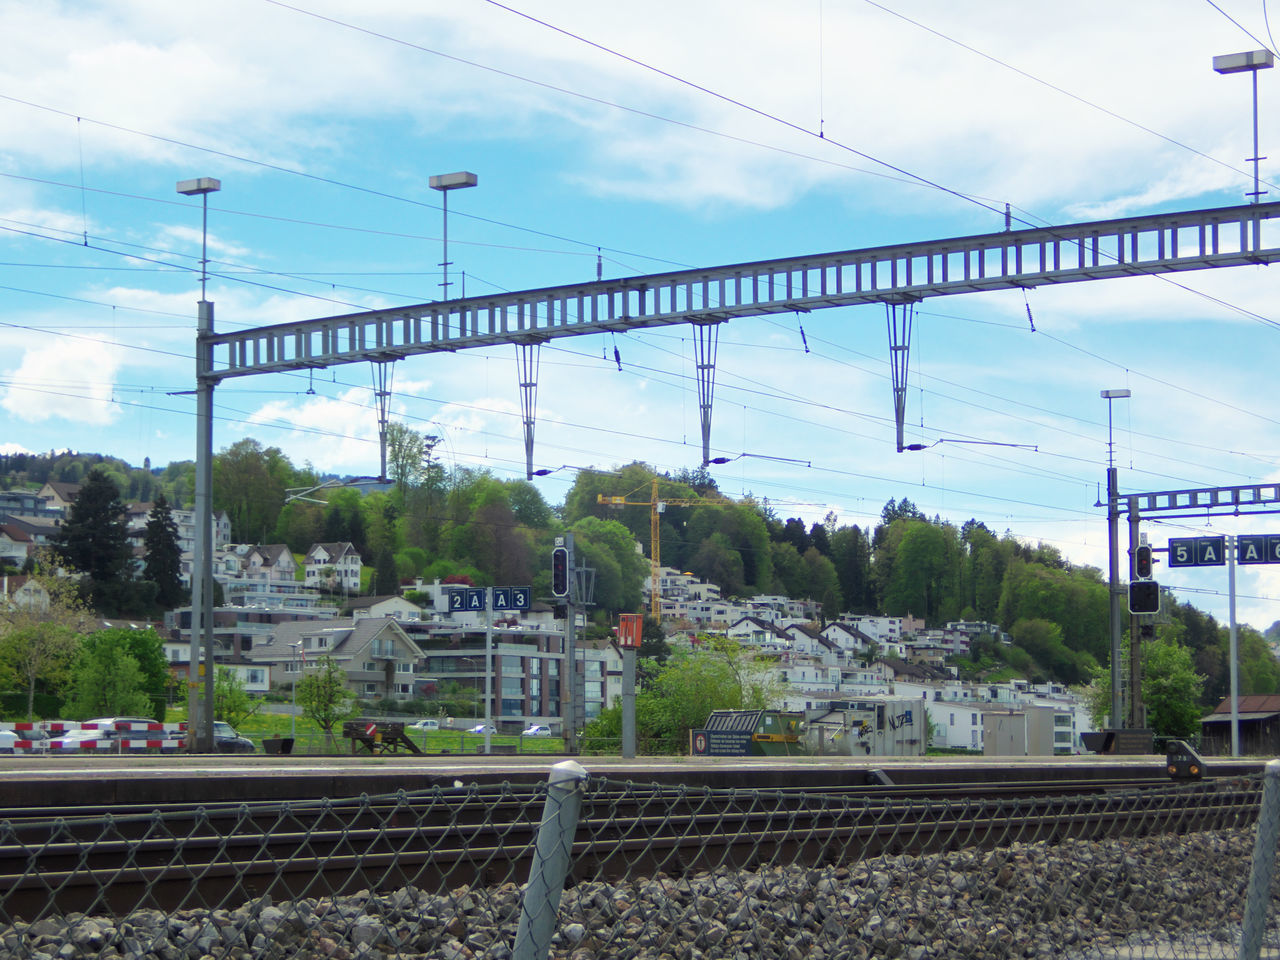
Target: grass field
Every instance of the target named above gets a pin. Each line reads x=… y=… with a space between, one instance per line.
x=310 y=739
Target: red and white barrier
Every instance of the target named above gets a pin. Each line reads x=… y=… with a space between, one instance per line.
x=154 y=736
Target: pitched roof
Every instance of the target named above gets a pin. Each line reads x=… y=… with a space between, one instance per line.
x=1251 y=703
x=919 y=671
x=364 y=603
x=336 y=551
x=65 y=490
x=271 y=552
x=807 y=630
x=15 y=533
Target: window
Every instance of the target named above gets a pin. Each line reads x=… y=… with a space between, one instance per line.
x=255 y=676
x=370 y=688
x=404 y=668
x=370 y=667
x=973 y=719
x=953 y=720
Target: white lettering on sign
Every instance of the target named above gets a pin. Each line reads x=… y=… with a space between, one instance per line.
x=1251 y=549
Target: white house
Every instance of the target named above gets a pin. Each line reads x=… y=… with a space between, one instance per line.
x=271 y=562
x=333 y=565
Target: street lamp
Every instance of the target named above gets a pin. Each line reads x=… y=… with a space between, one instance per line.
x=202 y=561
x=475 y=704
x=201 y=187
x=1251 y=61
x=1113 y=559
x=293 y=693
x=445 y=182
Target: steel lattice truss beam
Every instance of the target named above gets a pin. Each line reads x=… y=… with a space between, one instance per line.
x=1203 y=501
x=902 y=273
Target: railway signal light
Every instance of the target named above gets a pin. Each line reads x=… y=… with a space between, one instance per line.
x=1144 y=596
x=560 y=571
x=1142 y=562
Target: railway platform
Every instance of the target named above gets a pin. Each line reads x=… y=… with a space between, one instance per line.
x=37 y=781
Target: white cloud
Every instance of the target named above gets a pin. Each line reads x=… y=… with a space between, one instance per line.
x=69 y=380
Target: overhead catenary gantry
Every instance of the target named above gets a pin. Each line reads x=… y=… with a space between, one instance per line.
x=898 y=276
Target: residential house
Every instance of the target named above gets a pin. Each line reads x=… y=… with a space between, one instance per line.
x=219 y=529
x=25 y=503
x=390 y=606
x=271 y=562
x=40 y=529
x=754 y=632
x=849 y=639
x=335 y=566
x=377 y=657
x=22 y=593
x=59 y=495
x=15 y=544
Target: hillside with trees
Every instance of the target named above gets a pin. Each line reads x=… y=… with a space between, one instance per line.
x=467 y=526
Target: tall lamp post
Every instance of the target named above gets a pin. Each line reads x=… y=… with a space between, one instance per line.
x=1113 y=560
x=202 y=561
x=445 y=182
x=475 y=706
x=1251 y=62
x=293 y=693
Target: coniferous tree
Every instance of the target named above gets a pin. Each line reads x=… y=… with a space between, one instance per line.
x=94 y=539
x=163 y=565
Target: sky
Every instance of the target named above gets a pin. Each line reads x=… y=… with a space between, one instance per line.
x=635 y=138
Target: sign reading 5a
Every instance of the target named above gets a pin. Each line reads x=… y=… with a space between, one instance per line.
x=1198 y=552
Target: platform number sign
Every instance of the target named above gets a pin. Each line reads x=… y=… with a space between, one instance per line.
x=511 y=598
x=1258 y=548
x=1198 y=552
x=1212 y=551
x=470 y=599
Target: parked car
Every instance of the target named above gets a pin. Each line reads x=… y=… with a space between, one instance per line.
x=482 y=728
x=429 y=723
x=537 y=730
x=7 y=740
x=226 y=740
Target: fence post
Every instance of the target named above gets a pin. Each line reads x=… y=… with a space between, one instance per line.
x=1264 y=862
x=552 y=850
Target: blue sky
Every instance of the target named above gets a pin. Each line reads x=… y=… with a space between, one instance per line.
x=652 y=136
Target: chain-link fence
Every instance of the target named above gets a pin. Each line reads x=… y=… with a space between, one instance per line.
x=584 y=867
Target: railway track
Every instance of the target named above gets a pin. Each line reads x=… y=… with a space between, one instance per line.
x=77 y=858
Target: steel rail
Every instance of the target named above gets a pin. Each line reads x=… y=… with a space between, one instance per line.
x=168 y=871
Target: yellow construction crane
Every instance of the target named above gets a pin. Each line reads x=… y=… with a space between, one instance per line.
x=656 y=508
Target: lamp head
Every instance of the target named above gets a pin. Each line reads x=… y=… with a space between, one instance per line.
x=1244 y=62
x=199 y=186
x=453 y=181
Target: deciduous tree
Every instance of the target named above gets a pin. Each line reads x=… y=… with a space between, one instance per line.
x=323 y=696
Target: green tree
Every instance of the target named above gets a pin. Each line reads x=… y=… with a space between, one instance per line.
x=231 y=701
x=323 y=696
x=38 y=646
x=718 y=674
x=824 y=585
x=163 y=564
x=249 y=483
x=94 y=539
x=851 y=555
x=921 y=572
x=107 y=680
x=386 y=582
x=1170 y=689
x=406 y=459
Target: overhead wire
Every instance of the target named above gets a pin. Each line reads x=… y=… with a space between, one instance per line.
x=304 y=295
